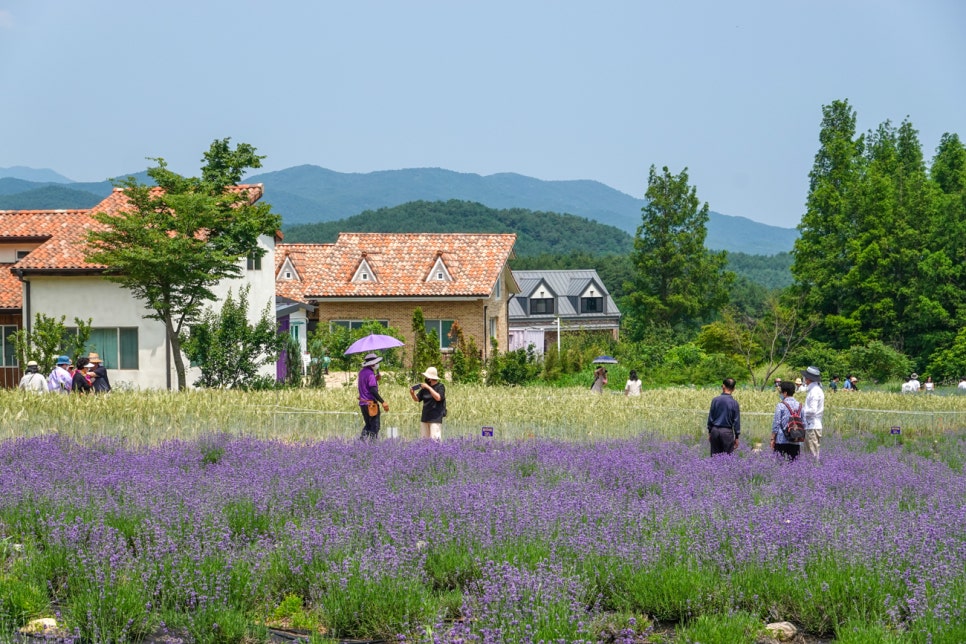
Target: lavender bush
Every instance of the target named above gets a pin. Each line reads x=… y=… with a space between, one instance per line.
x=481 y=541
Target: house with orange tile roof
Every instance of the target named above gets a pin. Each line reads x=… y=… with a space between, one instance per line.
x=43 y=270
x=452 y=277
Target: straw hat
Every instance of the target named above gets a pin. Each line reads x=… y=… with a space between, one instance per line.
x=431 y=373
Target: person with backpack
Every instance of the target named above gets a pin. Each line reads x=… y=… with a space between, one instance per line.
x=814 y=410
x=787 y=423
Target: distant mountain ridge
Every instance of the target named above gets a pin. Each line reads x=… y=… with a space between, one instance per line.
x=311 y=194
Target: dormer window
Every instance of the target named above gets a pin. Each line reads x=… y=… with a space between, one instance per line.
x=287 y=272
x=439 y=273
x=364 y=273
x=592 y=300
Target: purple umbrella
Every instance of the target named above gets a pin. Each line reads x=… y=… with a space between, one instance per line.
x=373 y=342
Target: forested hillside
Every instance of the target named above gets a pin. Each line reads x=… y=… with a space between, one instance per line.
x=537 y=232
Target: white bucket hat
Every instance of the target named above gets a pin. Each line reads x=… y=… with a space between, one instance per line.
x=431 y=373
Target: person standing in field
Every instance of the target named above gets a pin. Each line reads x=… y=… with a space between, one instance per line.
x=600 y=379
x=814 y=410
x=33 y=380
x=81 y=382
x=779 y=442
x=100 y=381
x=60 y=378
x=724 y=420
x=432 y=394
x=369 y=393
x=633 y=386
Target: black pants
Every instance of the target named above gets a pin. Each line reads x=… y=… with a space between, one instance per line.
x=787 y=450
x=370 y=431
x=722 y=440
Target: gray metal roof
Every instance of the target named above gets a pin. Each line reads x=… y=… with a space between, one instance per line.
x=566 y=284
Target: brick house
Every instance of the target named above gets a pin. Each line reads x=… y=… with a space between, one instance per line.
x=452 y=277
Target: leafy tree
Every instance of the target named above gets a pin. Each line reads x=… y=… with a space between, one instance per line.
x=172 y=245
x=676 y=280
x=821 y=259
x=880 y=362
x=467 y=365
x=766 y=341
x=294 y=366
x=426 y=351
x=229 y=349
x=49 y=338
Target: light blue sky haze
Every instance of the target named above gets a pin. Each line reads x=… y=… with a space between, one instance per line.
x=555 y=90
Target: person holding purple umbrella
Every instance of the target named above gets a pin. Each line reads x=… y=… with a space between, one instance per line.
x=369 y=398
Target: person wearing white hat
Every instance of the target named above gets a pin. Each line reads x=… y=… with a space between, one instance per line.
x=369 y=398
x=33 y=380
x=814 y=409
x=432 y=394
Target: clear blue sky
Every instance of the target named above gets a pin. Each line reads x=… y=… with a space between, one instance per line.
x=555 y=90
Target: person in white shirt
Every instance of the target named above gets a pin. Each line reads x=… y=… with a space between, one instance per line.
x=33 y=380
x=962 y=384
x=906 y=387
x=914 y=382
x=929 y=385
x=814 y=409
x=633 y=386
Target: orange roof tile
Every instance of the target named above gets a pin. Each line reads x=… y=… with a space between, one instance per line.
x=11 y=291
x=63 y=234
x=400 y=263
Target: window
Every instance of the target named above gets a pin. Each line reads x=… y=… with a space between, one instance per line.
x=21 y=254
x=118 y=347
x=442 y=329
x=541 y=306
x=8 y=357
x=354 y=324
x=492 y=327
x=254 y=262
x=591 y=305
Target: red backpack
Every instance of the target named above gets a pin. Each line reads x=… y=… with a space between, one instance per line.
x=795 y=429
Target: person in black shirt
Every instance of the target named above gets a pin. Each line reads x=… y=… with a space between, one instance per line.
x=432 y=394
x=724 y=420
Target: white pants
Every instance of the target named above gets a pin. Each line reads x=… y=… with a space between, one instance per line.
x=431 y=430
x=813 y=440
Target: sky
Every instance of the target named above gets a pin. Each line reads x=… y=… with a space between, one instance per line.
x=557 y=90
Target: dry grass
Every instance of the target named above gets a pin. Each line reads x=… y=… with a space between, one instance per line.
x=144 y=418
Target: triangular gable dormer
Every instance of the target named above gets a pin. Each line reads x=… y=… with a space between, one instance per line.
x=543 y=300
x=542 y=291
x=287 y=272
x=439 y=273
x=364 y=273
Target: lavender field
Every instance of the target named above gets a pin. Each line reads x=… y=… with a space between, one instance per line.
x=471 y=540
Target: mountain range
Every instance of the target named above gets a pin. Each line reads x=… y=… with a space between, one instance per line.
x=310 y=194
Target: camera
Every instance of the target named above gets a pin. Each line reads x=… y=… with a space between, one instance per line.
x=416 y=387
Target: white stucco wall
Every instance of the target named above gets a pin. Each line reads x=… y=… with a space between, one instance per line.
x=110 y=305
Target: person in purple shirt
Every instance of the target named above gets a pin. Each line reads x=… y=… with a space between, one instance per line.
x=59 y=380
x=724 y=420
x=369 y=391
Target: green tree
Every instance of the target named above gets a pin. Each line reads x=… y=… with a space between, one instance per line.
x=677 y=281
x=229 y=349
x=762 y=344
x=821 y=258
x=48 y=338
x=426 y=351
x=172 y=245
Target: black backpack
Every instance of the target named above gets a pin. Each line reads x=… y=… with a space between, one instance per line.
x=795 y=429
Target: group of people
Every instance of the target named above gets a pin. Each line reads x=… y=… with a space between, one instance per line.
x=724 y=417
x=912 y=384
x=90 y=375
x=430 y=392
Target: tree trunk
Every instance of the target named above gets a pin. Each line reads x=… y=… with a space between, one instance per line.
x=174 y=342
